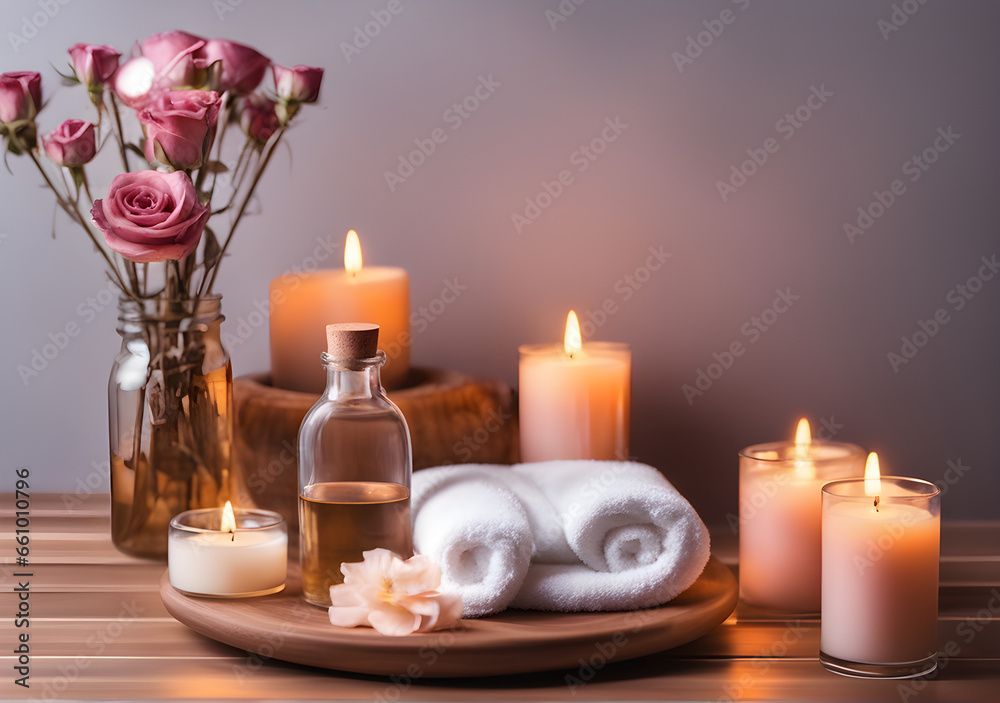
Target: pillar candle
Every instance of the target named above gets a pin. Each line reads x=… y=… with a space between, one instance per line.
x=303 y=304
x=780 y=518
x=881 y=545
x=574 y=399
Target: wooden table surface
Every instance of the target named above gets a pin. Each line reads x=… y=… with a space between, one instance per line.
x=99 y=631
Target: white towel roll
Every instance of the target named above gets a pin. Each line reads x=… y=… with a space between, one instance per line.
x=638 y=542
x=476 y=529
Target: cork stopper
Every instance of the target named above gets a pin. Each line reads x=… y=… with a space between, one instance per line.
x=352 y=340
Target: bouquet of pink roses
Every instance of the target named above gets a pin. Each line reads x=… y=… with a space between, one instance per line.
x=185 y=91
x=170 y=393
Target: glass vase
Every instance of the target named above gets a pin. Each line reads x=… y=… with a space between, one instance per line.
x=169 y=411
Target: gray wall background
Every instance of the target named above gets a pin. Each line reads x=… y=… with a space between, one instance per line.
x=654 y=186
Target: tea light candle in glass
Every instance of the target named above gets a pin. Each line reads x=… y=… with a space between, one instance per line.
x=225 y=553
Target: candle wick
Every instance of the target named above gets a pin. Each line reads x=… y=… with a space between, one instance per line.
x=233 y=538
x=876 y=503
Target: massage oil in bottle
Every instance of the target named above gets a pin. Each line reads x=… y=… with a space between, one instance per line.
x=355 y=464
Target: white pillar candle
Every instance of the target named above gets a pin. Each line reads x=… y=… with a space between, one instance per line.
x=780 y=518
x=881 y=545
x=574 y=399
x=221 y=552
x=303 y=304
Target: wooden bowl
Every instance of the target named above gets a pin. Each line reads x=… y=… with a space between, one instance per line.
x=453 y=419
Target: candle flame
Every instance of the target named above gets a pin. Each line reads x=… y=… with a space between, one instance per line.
x=228 y=519
x=873 y=481
x=571 y=340
x=352 y=253
x=803 y=436
x=804 y=469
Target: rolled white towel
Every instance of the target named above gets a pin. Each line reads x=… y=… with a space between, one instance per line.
x=476 y=529
x=637 y=541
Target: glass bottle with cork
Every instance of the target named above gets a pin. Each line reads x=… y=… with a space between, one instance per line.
x=355 y=464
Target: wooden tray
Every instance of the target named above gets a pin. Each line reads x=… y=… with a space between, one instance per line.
x=282 y=626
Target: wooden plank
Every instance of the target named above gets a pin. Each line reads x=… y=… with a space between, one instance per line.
x=652 y=678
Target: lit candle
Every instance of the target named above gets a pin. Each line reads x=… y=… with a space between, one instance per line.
x=303 y=304
x=881 y=544
x=780 y=517
x=213 y=552
x=574 y=398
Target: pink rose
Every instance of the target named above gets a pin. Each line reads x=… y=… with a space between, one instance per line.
x=71 y=144
x=151 y=216
x=94 y=64
x=243 y=67
x=299 y=84
x=20 y=96
x=180 y=125
x=258 y=118
x=173 y=57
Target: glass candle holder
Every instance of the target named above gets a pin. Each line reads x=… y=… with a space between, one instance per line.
x=574 y=406
x=780 y=518
x=880 y=578
x=205 y=560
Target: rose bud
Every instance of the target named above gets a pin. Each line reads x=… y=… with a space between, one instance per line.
x=180 y=125
x=20 y=96
x=72 y=144
x=258 y=118
x=94 y=64
x=243 y=67
x=173 y=57
x=299 y=84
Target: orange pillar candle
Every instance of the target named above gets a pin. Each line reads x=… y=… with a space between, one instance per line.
x=303 y=304
x=575 y=398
